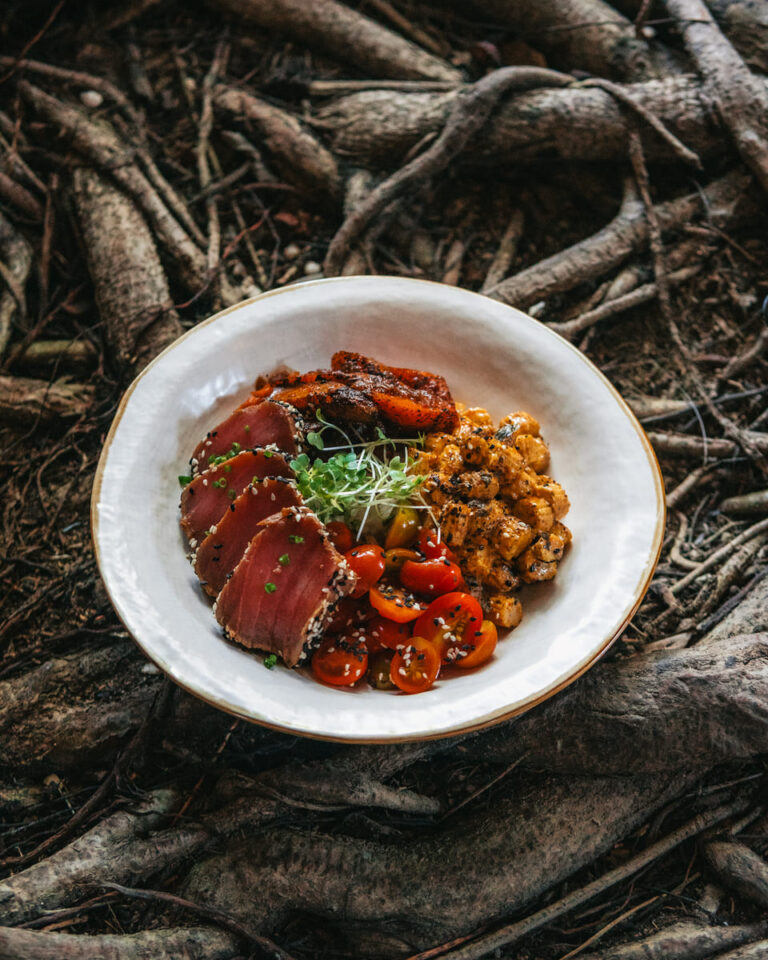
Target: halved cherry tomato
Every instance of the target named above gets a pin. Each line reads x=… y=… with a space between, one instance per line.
x=476 y=647
x=350 y=614
x=367 y=561
x=449 y=619
x=403 y=529
x=396 y=557
x=381 y=633
x=430 y=577
x=416 y=667
x=395 y=603
x=340 y=661
x=340 y=535
x=432 y=549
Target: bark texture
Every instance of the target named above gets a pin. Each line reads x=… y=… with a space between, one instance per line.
x=184 y=943
x=295 y=152
x=578 y=123
x=16 y=255
x=129 y=282
x=587 y=35
x=26 y=402
x=344 y=33
x=506 y=857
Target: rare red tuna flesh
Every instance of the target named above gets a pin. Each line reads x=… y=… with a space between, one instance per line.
x=258 y=425
x=219 y=554
x=205 y=500
x=285 y=588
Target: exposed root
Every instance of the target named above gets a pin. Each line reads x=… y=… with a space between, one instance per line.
x=470 y=111
x=184 y=943
x=513 y=932
x=28 y=403
x=740 y=96
x=739 y=869
x=506 y=856
x=344 y=33
x=578 y=123
x=747 y=503
x=64 y=876
x=682 y=941
x=656 y=713
x=295 y=152
x=129 y=282
x=101 y=145
x=587 y=35
x=16 y=259
x=627 y=233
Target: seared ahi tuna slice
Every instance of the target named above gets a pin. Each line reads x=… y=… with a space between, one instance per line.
x=259 y=425
x=284 y=589
x=219 y=554
x=205 y=500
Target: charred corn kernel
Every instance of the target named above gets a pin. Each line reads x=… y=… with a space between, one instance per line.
x=536 y=512
x=534 y=451
x=501 y=576
x=478 y=485
x=477 y=452
x=464 y=431
x=506 y=612
x=477 y=562
x=549 y=547
x=450 y=459
x=478 y=416
x=454 y=522
x=516 y=423
x=434 y=442
x=551 y=491
x=521 y=485
x=511 y=537
x=562 y=531
x=507 y=462
x=436 y=489
x=533 y=570
x=403 y=529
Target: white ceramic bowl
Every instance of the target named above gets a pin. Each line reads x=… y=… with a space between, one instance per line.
x=492 y=356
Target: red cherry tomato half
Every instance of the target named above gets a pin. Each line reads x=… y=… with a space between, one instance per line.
x=430 y=577
x=367 y=561
x=340 y=661
x=381 y=633
x=340 y=535
x=395 y=603
x=448 y=619
x=476 y=647
x=429 y=546
x=415 y=667
x=350 y=614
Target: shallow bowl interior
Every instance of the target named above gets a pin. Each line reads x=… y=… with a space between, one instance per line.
x=492 y=356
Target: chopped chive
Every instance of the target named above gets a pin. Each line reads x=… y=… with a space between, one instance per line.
x=184 y=480
x=231 y=493
x=296 y=539
x=269 y=587
x=256 y=480
x=284 y=560
x=270 y=661
x=220 y=483
x=268 y=454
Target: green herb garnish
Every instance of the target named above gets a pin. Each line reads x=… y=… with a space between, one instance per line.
x=295 y=538
x=270 y=661
x=362 y=478
x=284 y=560
x=232 y=452
x=269 y=587
x=184 y=480
x=220 y=483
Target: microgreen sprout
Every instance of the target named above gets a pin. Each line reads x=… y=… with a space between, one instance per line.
x=362 y=481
